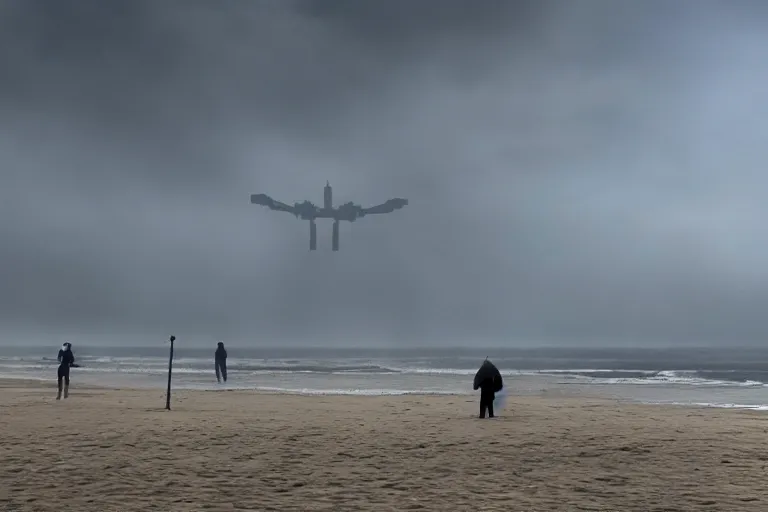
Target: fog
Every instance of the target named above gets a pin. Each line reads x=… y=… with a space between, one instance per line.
x=583 y=172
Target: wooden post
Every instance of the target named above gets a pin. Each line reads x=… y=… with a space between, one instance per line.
x=170 y=369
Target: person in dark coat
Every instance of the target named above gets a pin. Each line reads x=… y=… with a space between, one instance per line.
x=488 y=380
x=66 y=361
x=487 y=395
x=221 y=362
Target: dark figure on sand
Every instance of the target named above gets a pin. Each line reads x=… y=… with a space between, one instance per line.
x=488 y=379
x=221 y=362
x=66 y=361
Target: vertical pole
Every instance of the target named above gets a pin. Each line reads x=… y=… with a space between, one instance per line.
x=327 y=196
x=170 y=369
x=312 y=235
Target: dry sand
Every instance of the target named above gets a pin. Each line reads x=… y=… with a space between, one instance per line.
x=109 y=450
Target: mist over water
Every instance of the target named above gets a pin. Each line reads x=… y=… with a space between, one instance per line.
x=580 y=172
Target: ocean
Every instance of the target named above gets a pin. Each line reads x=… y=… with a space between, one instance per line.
x=687 y=376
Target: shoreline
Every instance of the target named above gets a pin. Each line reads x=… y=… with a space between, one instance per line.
x=46 y=385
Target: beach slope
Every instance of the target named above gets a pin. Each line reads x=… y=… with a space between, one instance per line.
x=118 y=450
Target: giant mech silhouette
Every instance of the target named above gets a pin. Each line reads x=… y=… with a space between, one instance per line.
x=308 y=211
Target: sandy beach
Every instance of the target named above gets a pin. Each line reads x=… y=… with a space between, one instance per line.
x=118 y=450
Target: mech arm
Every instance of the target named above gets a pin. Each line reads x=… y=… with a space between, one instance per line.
x=387 y=207
x=265 y=200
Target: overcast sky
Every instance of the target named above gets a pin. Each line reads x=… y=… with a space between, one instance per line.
x=578 y=171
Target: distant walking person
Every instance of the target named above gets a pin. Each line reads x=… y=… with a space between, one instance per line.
x=221 y=362
x=66 y=361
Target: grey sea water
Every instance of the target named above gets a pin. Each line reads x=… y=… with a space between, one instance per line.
x=705 y=376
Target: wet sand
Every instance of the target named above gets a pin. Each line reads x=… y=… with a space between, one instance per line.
x=118 y=450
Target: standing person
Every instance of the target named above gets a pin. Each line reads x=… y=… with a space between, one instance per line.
x=487 y=396
x=488 y=380
x=221 y=362
x=66 y=361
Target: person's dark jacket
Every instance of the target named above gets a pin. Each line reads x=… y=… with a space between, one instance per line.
x=221 y=353
x=66 y=358
x=489 y=387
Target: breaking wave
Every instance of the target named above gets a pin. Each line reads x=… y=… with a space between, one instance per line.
x=351 y=367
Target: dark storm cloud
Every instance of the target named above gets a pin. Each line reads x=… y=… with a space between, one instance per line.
x=583 y=171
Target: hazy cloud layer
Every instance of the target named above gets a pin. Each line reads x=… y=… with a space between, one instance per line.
x=587 y=171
